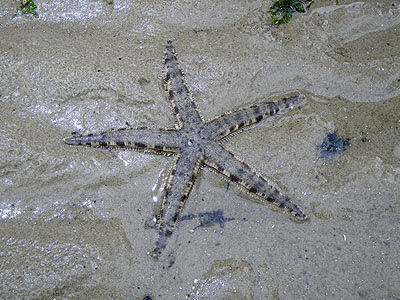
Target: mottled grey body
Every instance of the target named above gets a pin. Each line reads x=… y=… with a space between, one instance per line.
x=195 y=143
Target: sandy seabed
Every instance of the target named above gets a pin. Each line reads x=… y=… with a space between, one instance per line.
x=73 y=219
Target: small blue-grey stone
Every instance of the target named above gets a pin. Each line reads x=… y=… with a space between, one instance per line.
x=332 y=147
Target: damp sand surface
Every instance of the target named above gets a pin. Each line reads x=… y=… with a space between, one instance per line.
x=73 y=219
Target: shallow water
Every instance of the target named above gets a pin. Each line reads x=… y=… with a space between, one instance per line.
x=73 y=219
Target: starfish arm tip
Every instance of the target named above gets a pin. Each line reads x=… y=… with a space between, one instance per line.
x=299 y=216
x=69 y=140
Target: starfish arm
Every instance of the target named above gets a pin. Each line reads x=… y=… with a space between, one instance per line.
x=185 y=109
x=237 y=171
x=179 y=185
x=234 y=121
x=140 y=138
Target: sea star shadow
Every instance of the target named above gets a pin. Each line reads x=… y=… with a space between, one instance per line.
x=195 y=143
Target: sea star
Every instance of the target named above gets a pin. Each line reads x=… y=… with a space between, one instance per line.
x=195 y=143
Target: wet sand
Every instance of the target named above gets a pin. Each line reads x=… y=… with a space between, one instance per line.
x=73 y=218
